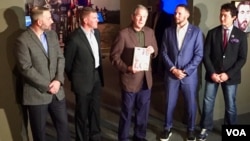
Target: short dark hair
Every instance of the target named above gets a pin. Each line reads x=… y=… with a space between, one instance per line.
x=229 y=7
x=84 y=12
x=183 y=6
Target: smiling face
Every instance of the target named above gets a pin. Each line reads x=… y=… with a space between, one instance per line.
x=139 y=18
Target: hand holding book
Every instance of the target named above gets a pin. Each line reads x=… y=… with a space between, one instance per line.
x=141 y=58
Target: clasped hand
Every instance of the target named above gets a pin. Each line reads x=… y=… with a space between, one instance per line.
x=180 y=74
x=219 y=78
x=54 y=87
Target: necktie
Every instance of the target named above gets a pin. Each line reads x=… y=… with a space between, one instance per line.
x=225 y=38
x=44 y=42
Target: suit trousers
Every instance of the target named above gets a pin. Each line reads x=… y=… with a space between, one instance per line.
x=140 y=103
x=58 y=113
x=189 y=92
x=87 y=113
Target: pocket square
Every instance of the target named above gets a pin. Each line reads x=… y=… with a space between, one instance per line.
x=234 y=40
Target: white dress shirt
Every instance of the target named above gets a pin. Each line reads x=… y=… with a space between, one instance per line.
x=181 y=32
x=94 y=45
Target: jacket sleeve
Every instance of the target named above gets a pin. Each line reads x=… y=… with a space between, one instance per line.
x=116 y=52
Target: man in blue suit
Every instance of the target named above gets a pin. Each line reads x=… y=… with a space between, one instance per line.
x=182 y=51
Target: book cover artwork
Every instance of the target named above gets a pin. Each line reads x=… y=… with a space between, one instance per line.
x=141 y=59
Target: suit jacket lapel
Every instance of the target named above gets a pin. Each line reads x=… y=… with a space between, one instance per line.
x=85 y=40
x=49 y=37
x=132 y=36
x=220 y=37
x=231 y=36
x=174 y=36
x=37 y=40
x=187 y=36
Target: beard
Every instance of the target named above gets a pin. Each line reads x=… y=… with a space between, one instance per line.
x=243 y=25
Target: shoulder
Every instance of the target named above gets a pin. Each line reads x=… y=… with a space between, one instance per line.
x=215 y=29
x=238 y=31
x=125 y=32
x=195 y=28
x=25 y=35
x=75 y=33
x=148 y=29
x=51 y=35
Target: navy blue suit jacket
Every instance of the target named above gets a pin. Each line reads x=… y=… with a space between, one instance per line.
x=188 y=57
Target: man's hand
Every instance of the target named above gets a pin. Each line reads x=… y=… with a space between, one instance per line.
x=130 y=69
x=223 y=77
x=150 y=50
x=180 y=74
x=216 y=78
x=54 y=87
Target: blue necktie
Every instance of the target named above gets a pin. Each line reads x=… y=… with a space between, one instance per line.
x=44 y=42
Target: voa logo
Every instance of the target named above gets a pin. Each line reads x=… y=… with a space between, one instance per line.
x=236 y=132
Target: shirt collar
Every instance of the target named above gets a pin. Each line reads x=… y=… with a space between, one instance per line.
x=87 y=32
x=229 y=28
x=142 y=30
x=183 y=27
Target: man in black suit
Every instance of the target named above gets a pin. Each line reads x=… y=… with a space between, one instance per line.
x=225 y=54
x=83 y=67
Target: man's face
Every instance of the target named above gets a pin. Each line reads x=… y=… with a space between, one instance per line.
x=181 y=15
x=45 y=21
x=139 y=18
x=243 y=16
x=92 y=20
x=226 y=18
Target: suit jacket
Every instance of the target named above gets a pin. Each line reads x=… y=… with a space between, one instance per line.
x=188 y=57
x=37 y=68
x=230 y=60
x=121 y=56
x=80 y=62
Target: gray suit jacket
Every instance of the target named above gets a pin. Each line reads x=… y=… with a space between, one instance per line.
x=37 y=68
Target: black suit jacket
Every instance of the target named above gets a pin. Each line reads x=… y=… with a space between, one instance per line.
x=229 y=60
x=80 y=62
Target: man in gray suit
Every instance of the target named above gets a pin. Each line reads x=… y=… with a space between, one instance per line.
x=40 y=62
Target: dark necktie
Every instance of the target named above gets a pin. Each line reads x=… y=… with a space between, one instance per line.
x=225 y=38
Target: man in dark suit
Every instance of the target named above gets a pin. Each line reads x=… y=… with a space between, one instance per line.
x=136 y=85
x=182 y=52
x=243 y=16
x=225 y=54
x=84 y=69
x=40 y=62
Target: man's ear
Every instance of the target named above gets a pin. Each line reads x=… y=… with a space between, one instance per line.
x=234 y=17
